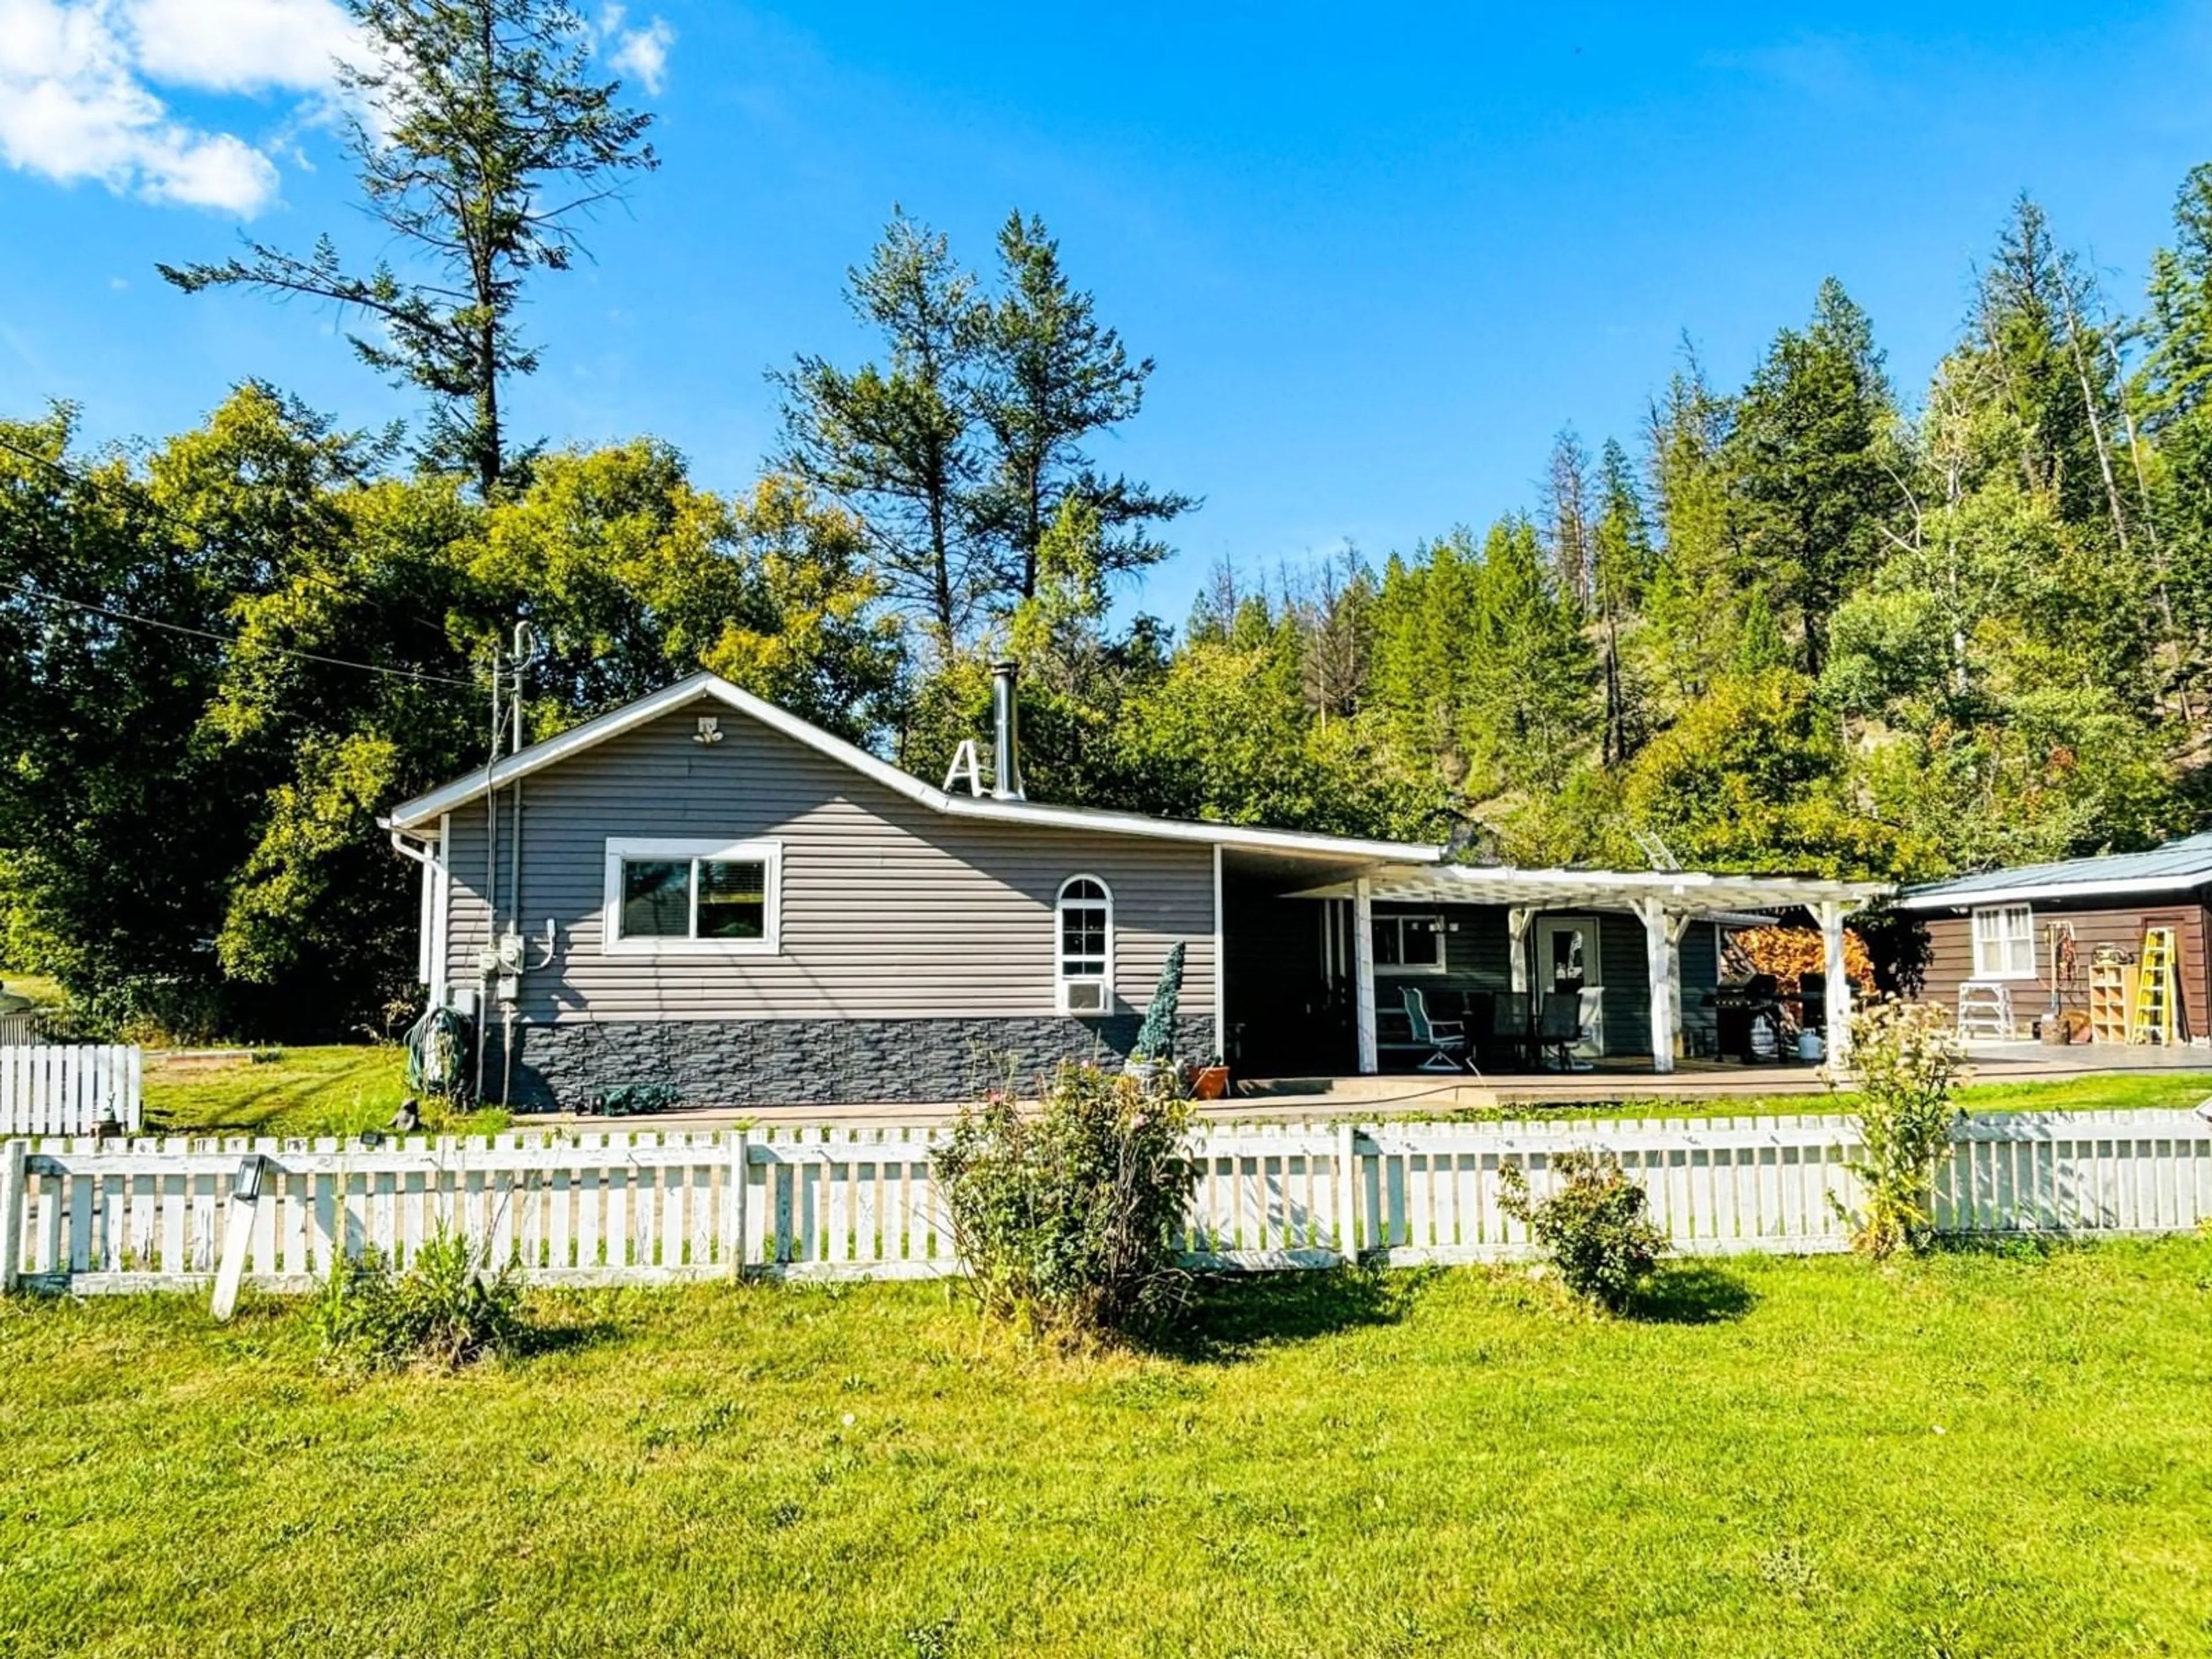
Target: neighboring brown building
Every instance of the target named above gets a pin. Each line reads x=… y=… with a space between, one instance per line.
x=2011 y=930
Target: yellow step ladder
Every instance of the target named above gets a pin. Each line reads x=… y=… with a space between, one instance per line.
x=2158 y=996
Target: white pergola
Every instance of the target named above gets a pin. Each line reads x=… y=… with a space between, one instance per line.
x=1666 y=901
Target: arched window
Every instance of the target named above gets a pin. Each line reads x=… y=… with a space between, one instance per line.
x=1086 y=946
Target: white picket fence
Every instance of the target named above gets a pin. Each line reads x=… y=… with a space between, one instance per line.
x=840 y=1202
x=68 y=1089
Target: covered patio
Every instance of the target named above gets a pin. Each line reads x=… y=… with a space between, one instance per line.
x=1397 y=948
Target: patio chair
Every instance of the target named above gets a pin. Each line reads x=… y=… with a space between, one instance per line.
x=1560 y=1028
x=1508 y=1025
x=1445 y=1039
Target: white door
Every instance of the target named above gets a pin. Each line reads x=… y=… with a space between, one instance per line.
x=1568 y=961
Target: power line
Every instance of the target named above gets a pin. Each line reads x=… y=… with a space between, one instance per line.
x=233 y=639
x=146 y=498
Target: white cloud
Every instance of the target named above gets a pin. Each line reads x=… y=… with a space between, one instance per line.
x=641 y=53
x=239 y=45
x=79 y=78
x=77 y=100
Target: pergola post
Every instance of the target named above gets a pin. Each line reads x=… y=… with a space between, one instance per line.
x=1518 y=921
x=1837 y=1012
x=1661 y=936
x=1676 y=927
x=1363 y=964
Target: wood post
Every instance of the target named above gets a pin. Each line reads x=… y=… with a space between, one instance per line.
x=1659 y=938
x=1363 y=960
x=1220 y=966
x=741 y=1191
x=1518 y=921
x=1676 y=927
x=1837 y=1012
x=14 y=1179
x=237 y=1244
x=1347 y=1192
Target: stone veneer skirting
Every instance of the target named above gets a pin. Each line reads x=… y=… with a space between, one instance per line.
x=809 y=1062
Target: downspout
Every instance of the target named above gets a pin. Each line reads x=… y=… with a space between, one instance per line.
x=514 y=897
x=525 y=646
x=421 y=854
x=491 y=921
x=431 y=867
x=491 y=883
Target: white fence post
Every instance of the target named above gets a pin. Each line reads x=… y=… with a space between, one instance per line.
x=1348 y=1189
x=740 y=1178
x=13 y=1178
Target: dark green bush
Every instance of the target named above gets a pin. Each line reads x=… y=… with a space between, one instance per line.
x=1070 y=1215
x=443 y=1312
x=1593 y=1227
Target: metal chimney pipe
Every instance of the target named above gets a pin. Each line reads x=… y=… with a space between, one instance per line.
x=1006 y=725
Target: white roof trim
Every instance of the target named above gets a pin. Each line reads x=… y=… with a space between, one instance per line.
x=1694 y=893
x=1982 y=898
x=647 y=709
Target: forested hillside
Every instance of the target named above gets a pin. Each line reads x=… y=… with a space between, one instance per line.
x=1830 y=619
x=1821 y=621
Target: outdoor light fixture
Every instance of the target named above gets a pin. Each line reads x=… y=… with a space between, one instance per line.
x=246 y=1184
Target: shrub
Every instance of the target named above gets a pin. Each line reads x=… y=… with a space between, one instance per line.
x=1905 y=1057
x=443 y=1312
x=1156 y=1037
x=1593 y=1227
x=1070 y=1215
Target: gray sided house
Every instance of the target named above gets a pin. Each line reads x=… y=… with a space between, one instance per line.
x=703 y=899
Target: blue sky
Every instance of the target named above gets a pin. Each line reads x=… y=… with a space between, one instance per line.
x=1381 y=254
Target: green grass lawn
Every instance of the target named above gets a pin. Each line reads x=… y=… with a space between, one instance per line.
x=39 y=987
x=344 y=1089
x=2000 y=1454
x=2104 y=1091
x=2114 y=1092
x=337 y=1090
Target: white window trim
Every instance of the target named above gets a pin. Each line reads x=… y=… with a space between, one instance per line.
x=1060 y=981
x=1408 y=970
x=767 y=853
x=1974 y=940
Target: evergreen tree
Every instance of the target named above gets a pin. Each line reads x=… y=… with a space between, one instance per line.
x=898 y=443
x=1567 y=517
x=1620 y=572
x=1809 y=453
x=1694 y=598
x=1048 y=376
x=481 y=140
x=1531 y=668
x=1335 y=621
x=2171 y=458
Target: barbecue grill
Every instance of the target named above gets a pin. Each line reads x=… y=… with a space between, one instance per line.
x=1738 y=1012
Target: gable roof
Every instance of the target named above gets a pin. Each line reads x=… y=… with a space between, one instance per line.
x=426 y=808
x=2177 y=865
